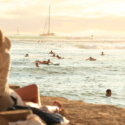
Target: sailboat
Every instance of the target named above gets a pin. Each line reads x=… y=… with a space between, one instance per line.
x=47 y=25
x=18 y=33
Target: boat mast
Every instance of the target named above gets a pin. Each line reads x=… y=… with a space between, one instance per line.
x=49 y=22
x=18 y=31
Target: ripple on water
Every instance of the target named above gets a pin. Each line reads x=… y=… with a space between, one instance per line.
x=75 y=78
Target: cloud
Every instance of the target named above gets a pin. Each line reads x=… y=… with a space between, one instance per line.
x=66 y=15
x=63 y=24
x=76 y=8
x=6 y=1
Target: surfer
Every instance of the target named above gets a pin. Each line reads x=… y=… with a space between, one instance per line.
x=59 y=57
x=26 y=55
x=108 y=92
x=91 y=59
x=42 y=62
x=102 y=54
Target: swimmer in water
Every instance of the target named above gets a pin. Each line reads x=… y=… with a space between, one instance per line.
x=59 y=57
x=51 y=52
x=108 y=92
x=102 y=54
x=53 y=55
x=42 y=62
x=91 y=59
x=26 y=55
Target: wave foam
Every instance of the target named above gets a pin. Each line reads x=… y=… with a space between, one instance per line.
x=100 y=47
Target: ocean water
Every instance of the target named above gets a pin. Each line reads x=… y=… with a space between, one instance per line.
x=75 y=78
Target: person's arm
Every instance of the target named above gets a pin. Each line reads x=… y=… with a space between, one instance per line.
x=4 y=73
x=37 y=65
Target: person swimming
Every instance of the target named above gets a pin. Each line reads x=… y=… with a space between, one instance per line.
x=108 y=92
x=51 y=52
x=47 y=62
x=53 y=55
x=91 y=59
x=42 y=62
x=102 y=54
x=59 y=57
x=26 y=55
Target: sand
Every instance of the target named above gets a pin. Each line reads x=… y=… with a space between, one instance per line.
x=81 y=113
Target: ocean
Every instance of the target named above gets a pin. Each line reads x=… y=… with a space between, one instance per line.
x=75 y=78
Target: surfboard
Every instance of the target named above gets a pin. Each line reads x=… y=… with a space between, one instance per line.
x=37 y=62
x=54 y=64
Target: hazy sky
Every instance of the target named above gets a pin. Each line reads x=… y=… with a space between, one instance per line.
x=72 y=17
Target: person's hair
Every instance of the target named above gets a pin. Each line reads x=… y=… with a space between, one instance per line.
x=108 y=90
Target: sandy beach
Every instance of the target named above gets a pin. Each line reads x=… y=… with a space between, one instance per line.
x=81 y=113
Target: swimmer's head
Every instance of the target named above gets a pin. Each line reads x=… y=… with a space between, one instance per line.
x=108 y=92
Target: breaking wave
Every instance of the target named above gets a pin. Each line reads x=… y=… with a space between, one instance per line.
x=95 y=46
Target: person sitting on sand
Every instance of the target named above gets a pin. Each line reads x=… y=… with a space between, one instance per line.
x=91 y=59
x=25 y=96
x=59 y=57
x=26 y=55
x=108 y=92
x=42 y=62
x=102 y=54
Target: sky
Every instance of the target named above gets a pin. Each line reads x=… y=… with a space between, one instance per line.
x=68 y=17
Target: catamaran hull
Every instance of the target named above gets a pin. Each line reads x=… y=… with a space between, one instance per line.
x=50 y=34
